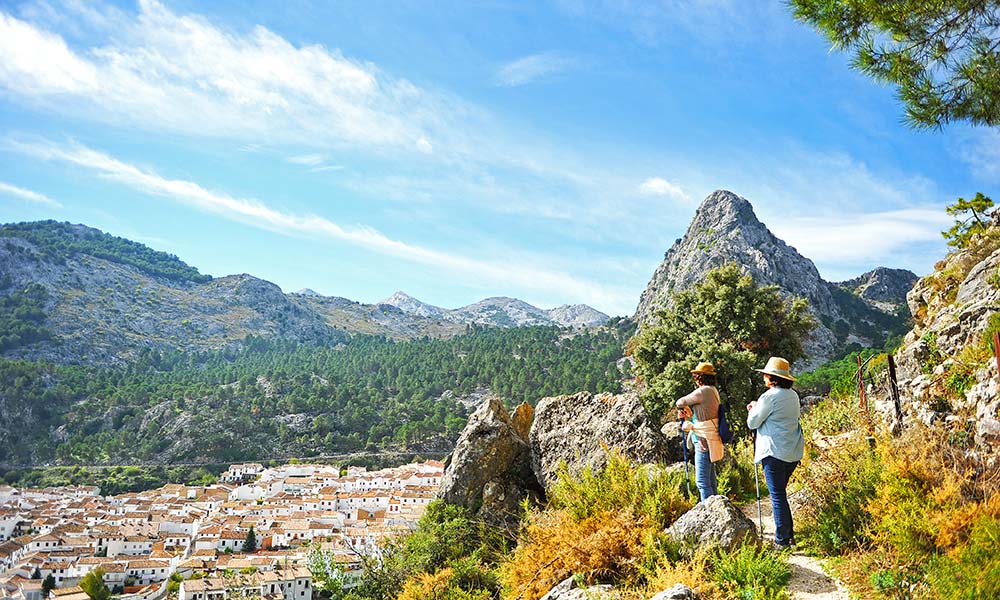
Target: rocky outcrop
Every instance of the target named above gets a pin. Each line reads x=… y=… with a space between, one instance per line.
x=725 y=229
x=677 y=592
x=568 y=589
x=579 y=431
x=489 y=471
x=882 y=285
x=712 y=522
x=946 y=366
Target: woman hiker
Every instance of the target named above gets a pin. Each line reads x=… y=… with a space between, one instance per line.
x=780 y=443
x=702 y=408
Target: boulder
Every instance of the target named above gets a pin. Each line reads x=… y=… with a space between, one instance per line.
x=579 y=430
x=677 y=592
x=489 y=471
x=569 y=590
x=713 y=522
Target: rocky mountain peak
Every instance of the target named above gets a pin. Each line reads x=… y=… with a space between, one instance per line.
x=723 y=209
x=725 y=229
x=411 y=306
x=308 y=292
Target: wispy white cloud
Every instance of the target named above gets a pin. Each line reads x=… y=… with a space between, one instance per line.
x=258 y=214
x=309 y=160
x=532 y=68
x=658 y=186
x=31 y=196
x=849 y=238
x=36 y=63
x=258 y=85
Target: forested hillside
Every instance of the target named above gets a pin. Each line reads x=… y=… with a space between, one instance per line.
x=276 y=399
x=57 y=242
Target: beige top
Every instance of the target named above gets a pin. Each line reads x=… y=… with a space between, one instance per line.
x=704 y=403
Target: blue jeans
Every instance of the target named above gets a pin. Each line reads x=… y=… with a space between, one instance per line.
x=777 y=473
x=704 y=474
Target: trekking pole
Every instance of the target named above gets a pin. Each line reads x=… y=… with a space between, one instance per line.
x=756 y=484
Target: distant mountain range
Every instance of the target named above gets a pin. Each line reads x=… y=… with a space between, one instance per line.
x=501 y=312
x=863 y=311
x=97 y=298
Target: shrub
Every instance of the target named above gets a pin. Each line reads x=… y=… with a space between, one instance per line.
x=842 y=480
x=972 y=571
x=603 y=526
x=447 y=537
x=447 y=584
x=602 y=546
x=736 y=471
x=831 y=416
x=752 y=572
x=652 y=493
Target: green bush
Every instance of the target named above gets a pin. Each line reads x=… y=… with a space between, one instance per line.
x=841 y=482
x=751 y=572
x=448 y=539
x=736 y=472
x=831 y=416
x=651 y=492
x=974 y=571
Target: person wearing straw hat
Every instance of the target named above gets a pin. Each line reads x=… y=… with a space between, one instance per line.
x=780 y=443
x=700 y=412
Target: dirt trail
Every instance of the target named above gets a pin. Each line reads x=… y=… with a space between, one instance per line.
x=809 y=580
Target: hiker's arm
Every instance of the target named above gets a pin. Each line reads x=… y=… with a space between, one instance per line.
x=760 y=411
x=691 y=399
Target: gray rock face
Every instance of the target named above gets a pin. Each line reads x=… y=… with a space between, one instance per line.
x=489 y=471
x=410 y=305
x=725 y=229
x=568 y=590
x=677 y=592
x=577 y=315
x=946 y=321
x=712 y=522
x=580 y=430
x=882 y=285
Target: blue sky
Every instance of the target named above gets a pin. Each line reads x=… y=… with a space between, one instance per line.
x=550 y=151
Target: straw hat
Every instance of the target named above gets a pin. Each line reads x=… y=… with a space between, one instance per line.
x=705 y=368
x=778 y=367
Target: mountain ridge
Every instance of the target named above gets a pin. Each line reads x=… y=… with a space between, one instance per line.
x=501 y=311
x=104 y=298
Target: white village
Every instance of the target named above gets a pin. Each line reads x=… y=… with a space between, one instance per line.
x=252 y=534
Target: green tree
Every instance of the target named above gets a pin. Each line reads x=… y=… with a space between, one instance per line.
x=728 y=320
x=36 y=574
x=943 y=55
x=48 y=584
x=967 y=226
x=250 y=543
x=93 y=585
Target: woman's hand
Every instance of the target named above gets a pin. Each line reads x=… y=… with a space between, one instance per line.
x=684 y=412
x=751 y=405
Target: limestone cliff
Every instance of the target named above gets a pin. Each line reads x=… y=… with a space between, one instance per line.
x=947 y=368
